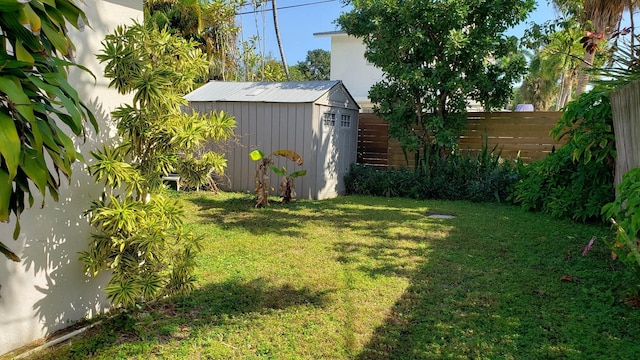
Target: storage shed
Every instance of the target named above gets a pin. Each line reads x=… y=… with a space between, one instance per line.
x=316 y=119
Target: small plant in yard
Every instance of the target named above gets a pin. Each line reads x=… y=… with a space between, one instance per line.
x=287 y=186
x=624 y=212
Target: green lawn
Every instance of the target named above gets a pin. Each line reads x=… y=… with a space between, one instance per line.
x=374 y=278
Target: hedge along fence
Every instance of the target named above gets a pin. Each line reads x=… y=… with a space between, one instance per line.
x=523 y=133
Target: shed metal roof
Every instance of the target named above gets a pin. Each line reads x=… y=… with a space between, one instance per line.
x=272 y=92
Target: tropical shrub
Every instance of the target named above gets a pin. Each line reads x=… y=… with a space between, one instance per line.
x=36 y=99
x=140 y=239
x=624 y=212
x=287 y=185
x=481 y=177
x=576 y=180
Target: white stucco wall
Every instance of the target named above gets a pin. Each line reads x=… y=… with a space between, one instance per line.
x=48 y=291
x=349 y=65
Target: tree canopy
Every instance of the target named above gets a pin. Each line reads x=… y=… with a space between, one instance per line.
x=436 y=56
x=210 y=23
x=316 y=66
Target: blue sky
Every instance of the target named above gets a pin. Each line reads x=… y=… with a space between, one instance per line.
x=298 y=22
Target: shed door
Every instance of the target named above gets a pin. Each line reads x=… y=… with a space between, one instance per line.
x=337 y=143
x=327 y=153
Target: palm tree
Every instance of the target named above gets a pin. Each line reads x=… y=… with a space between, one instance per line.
x=600 y=17
x=277 y=29
x=211 y=24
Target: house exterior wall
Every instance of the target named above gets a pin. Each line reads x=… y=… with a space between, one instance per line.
x=349 y=65
x=48 y=291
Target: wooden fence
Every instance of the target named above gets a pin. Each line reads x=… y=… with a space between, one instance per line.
x=516 y=133
x=626 y=113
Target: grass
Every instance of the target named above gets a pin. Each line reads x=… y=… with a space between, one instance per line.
x=374 y=278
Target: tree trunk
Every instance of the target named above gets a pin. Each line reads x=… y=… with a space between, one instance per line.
x=583 y=75
x=565 y=91
x=277 y=29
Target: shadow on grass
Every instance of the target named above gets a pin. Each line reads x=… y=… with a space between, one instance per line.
x=482 y=294
x=179 y=318
x=236 y=297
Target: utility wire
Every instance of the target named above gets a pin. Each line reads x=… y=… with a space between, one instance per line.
x=287 y=7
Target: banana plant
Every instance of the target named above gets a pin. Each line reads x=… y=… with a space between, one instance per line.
x=287 y=186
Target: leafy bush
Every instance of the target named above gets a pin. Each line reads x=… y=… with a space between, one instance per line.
x=577 y=180
x=562 y=187
x=482 y=177
x=140 y=239
x=624 y=212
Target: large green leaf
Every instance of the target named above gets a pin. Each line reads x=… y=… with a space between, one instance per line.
x=298 y=173
x=11 y=86
x=59 y=41
x=19 y=99
x=23 y=54
x=256 y=155
x=8 y=253
x=9 y=146
x=10 y=5
x=70 y=105
x=71 y=12
x=11 y=20
x=35 y=168
x=280 y=172
x=5 y=195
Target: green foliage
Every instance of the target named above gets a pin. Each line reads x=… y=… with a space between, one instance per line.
x=256 y=67
x=287 y=185
x=483 y=177
x=558 y=58
x=587 y=122
x=624 y=212
x=624 y=67
x=316 y=66
x=209 y=23
x=140 y=240
x=436 y=56
x=576 y=180
x=140 y=237
x=38 y=106
x=197 y=172
x=159 y=69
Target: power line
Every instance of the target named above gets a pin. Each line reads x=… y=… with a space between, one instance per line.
x=287 y=7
